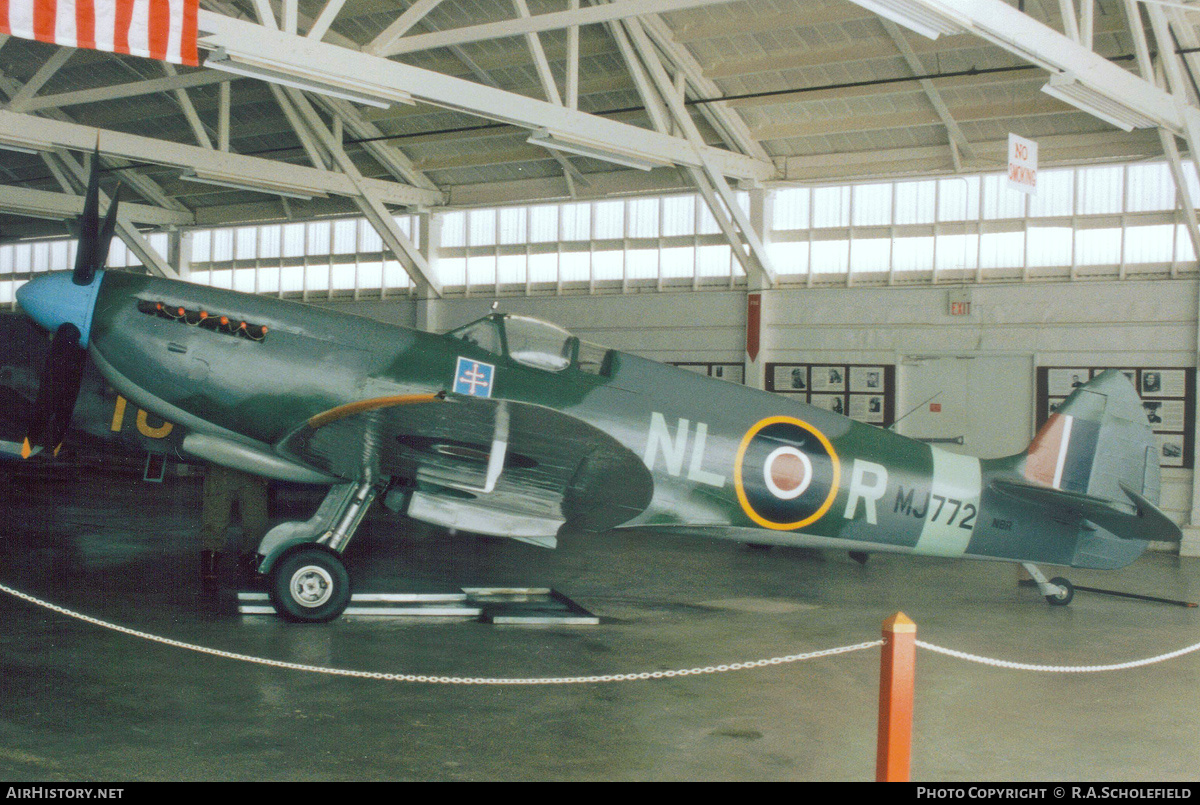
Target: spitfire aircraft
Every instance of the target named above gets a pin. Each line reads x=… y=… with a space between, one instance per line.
x=513 y=427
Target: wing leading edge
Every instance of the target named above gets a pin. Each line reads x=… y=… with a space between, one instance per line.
x=484 y=465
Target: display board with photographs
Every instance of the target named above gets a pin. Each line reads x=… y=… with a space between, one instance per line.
x=1168 y=398
x=733 y=372
x=859 y=391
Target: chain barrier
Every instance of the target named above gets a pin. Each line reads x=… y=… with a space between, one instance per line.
x=441 y=680
x=1058 y=669
x=593 y=679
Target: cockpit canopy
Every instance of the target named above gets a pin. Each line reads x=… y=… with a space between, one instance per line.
x=534 y=343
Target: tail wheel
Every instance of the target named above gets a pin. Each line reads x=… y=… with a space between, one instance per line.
x=310 y=586
x=1063 y=598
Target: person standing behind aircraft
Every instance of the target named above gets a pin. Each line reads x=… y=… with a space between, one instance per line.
x=222 y=488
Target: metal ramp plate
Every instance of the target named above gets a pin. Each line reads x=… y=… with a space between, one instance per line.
x=530 y=607
x=396 y=605
x=496 y=605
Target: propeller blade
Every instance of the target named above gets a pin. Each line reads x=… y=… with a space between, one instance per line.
x=94 y=237
x=106 y=231
x=58 y=389
x=89 y=227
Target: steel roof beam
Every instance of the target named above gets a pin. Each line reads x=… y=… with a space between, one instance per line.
x=720 y=115
x=302 y=56
x=48 y=204
x=148 y=189
x=44 y=73
x=43 y=134
x=369 y=202
x=541 y=22
x=391 y=34
x=387 y=154
x=128 y=90
x=1171 y=65
x=1018 y=33
x=959 y=146
x=745 y=242
x=321 y=25
x=189 y=110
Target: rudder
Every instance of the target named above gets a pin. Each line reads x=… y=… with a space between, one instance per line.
x=1097 y=441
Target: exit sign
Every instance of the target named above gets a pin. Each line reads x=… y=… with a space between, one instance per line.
x=958 y=302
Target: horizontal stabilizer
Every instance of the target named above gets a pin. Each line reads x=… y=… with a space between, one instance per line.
x=1146 y=522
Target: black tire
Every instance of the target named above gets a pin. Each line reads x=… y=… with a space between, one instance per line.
x=309 y=586
x=1066 y=596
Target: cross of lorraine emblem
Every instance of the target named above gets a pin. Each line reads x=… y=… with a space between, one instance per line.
x=473 y=378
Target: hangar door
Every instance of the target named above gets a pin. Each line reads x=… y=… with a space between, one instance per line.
x=985 y=399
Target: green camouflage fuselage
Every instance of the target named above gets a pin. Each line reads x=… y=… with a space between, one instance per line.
x=726 y=460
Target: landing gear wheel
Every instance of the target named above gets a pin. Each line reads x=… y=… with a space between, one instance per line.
x=310 y=586
x=1063 y=598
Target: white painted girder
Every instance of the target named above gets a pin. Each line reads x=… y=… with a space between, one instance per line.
x=129 y=90
x=147 y=187
x=1004 y=26
x=590 y=15
x=368 y=201
x=325 y=19
x=722 y=117
x=958 y=140
x=43 y=134
x=1169 y=61
x=312 y=149
x=189 y=110
x=712 y=185
x=388 y=155
x=302 y=55
x=47 y=204
x=44 y=73
x=411 y=16
x=70 y=177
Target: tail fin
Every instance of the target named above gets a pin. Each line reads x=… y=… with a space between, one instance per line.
x=1097 y=440
x=1096 y=459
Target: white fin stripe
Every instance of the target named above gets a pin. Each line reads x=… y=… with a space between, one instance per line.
x=1062 y=450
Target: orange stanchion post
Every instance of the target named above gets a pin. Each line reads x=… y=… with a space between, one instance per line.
x=896 y=678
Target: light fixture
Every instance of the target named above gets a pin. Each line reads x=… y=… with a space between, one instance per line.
x=297 y=191
x=20 y=149
x=1068 y=89
x=337 y=86
x=927 y=19
x=583 y=147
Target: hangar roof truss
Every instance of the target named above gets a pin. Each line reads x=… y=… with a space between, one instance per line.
x=309 y=108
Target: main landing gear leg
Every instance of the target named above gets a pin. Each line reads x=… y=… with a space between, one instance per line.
x=306 y=578
x=1058 y=591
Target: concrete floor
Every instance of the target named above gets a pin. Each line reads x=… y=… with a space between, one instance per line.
x=81 y=703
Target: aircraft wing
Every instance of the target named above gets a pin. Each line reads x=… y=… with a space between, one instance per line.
x=489 y=466
x=1146 y=521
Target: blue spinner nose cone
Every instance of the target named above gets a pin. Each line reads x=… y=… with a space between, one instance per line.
x=54 y=299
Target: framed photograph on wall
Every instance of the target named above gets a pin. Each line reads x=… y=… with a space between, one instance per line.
x=1168 y=401
x=865 y=392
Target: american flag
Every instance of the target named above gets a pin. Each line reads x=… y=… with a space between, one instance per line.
x=159 y=29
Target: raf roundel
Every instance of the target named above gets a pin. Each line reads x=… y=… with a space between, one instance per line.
x=786 y=473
